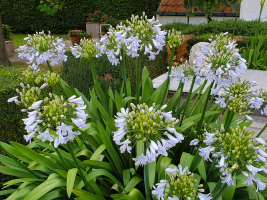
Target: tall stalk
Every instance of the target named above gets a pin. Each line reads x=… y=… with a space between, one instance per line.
x=123 y=72
x=79 y=168
x=137 y=78
x=168 y=77
x=188 y=99
x=204 y=110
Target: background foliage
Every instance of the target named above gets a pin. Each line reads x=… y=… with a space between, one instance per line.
x=240 y=27
x=24 y=17
x=77 y=72
x=11 y=126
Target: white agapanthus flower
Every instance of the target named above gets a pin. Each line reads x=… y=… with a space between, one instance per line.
x=50 y=119
x=41 y=48
x=234 y=151
x=220 y=60
x=182 y=184
x=139 y=34
x=155 y=128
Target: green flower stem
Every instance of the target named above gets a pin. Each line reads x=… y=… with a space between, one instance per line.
x=171 y=61
x=58 y=92
x=217 y=195
x=22 y=165
x=259 y=134
x=228 y=121
x=67 y=167
x=200 y=123
x=137 y=78
x=123 y=72
x=198 y=96
x=168 y=77
x=98 y=89
x=146 y=180
x=48 y=64
x=79 y=168
x=212 y=97
x=181 y=86
x=188 y=99
x=60 y=86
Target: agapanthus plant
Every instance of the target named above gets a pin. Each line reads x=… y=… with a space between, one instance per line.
x=220 y=61
x=180 y=185
x=156 y=129
x=41 y=48
x=234 y=152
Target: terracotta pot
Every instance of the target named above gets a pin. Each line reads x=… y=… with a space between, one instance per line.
x=75 y=40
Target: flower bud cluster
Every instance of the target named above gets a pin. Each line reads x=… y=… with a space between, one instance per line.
x=175 y=38
x=236 y=151
x=240 y=97
x=150 y=125
x=180 y=186
x=41 y=48
x=30 y=76
x=28 y=95
x=86 y=49
x=221 y=61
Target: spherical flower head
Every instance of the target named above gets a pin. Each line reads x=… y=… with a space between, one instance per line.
x=175 y=38
x=53 y=119
x=182 y=185
x=221 y=60
x=241 y=97
x=86 y=49
x=156 y=129
x=41 y=48
x=236 y=151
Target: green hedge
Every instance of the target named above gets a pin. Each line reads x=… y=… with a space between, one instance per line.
x=240 y=27
x=11 y=125
x=24 y=17
x=77 y=73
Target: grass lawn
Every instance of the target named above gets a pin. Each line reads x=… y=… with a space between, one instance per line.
x=18 y=39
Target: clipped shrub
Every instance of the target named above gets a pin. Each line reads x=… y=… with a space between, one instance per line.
x=7 y=32
x=77 y=73
x=11 y=125
x=240 y=27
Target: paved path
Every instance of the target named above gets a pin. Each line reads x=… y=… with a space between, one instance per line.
x=252 y=75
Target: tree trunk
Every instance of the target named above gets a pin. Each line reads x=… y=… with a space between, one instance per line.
x=3 y=54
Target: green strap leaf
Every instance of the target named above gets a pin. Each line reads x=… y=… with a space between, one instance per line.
x=44 y=188
x=86 y=195
x=136 y=194
x=98 y=165
x=98 y=152
x=70 y=180
x=35 y=156
x=102 y=172
x=15 y=181
x=133 y=182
